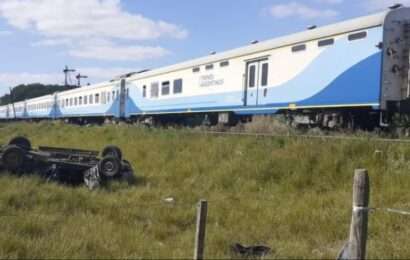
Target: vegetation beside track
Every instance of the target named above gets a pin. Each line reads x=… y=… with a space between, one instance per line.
x=293 y=195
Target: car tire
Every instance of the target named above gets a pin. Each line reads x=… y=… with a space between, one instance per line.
x=13 y=158
x=21 y=142
x=109 y=166
x=113 y=151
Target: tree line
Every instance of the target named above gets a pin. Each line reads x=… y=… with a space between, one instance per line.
x=23 y=92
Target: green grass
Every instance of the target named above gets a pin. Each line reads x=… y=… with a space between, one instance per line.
x=293 y=195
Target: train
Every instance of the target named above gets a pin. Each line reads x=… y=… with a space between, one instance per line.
x=354 y=72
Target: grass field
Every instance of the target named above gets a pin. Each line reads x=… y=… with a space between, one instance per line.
x=293 y=195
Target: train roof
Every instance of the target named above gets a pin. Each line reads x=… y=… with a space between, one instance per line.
x=37 y=99
x=365 y=22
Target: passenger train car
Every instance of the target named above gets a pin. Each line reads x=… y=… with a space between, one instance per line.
x=349 y=72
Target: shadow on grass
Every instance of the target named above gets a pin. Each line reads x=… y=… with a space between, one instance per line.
x=67 y=180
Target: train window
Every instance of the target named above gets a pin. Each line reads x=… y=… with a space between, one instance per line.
x=75 y=101
x=165 y=88
x=177 y=86
x=297 y=48
x=252 y=76
x=326 y=42
x=108 y=97
x=113 y=95
x=224 y=64
x=66 y=102
x=97 y=98
x=80 y=101
x=144 y=91
x=117 y=94
x=91 y=99
x=103 y=98
x=209 y=67
x=357 y=36
x=265 y=73
x=128 y=92
x=85 y=100
x=196 y=69
x=154 y=90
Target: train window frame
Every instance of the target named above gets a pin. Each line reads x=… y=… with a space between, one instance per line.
x=154 y=91
x=91 y=99
x=80 y=101
x=224 y=64
x=326 y=42
x=196 y=70
x=144 y=91
x=252 y=76
x=85 y=100
x=357 y=36
x=165 y=88
x=97 y=98
x=299 y=48
x=209 y=67
x=71 y=102
x=178 y=86
x=103 y=98
x=265 y=74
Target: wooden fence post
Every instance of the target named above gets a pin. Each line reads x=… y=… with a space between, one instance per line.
x=200 y=230
x=358 y=228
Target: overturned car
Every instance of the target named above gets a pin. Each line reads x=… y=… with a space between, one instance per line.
x=65 y=165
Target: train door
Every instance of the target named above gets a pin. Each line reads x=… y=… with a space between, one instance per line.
x=255 y=80
x=123 y=98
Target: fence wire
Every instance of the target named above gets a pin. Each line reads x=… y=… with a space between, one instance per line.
x=388 y=210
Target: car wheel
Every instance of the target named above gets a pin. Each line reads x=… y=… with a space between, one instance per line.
x=13 y=158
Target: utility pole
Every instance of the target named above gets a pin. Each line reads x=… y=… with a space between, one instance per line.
x=79 y=77
x=67 y=72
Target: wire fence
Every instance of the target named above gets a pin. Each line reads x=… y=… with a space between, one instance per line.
x=200 y=237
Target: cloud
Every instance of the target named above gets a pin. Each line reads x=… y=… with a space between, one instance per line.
x=105 y=73
x=95 y=75
x=330 y=2
x=377 y=5
x=5 y=33
x=8 y=80
x=85 y=18
x=52 y=42
x=90 y=29
x=119 y=53
x=298 y=10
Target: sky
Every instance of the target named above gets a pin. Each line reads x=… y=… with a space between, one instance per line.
x=106 y=38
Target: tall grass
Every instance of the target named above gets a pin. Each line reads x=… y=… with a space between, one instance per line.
x=293 y=195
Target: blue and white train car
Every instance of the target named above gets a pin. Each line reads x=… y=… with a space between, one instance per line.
x=19 y=110
x=345 y=67
x=4 y=112
x=40 y=108
x=97 y=101
x=352 y=71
